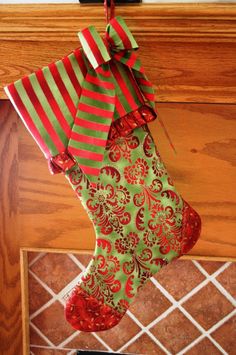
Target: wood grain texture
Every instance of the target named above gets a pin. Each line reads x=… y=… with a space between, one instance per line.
x=10 y=296
x=204 y=172
x=24 y=267
x=188 y=50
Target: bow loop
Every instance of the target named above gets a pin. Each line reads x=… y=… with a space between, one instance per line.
x=119 y=43
x=119 y=36
x=94 y=46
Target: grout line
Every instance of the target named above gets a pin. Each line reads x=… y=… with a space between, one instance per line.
x=207 y=334
x=221 y=322
x=216 y=283
x=216 y=273
x=67 y=340
x=157 y=341
x=39 y=256
x=191 y=345
x=131 y=341
x=162 y=316
x=44 y=337
x=45 y=306
x=178 y=305
x=57 y=297
x=224 y=291
x=217 y=345
x=51 y=347
x=43 y=284
x=200 y=328
x=143 y=330
x=68 y=288
x=102 y=341
x=77 y=262
x=175 y=304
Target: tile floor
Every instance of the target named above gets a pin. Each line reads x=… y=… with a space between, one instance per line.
x=187 y=308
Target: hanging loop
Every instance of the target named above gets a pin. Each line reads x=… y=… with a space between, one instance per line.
x=109 y=4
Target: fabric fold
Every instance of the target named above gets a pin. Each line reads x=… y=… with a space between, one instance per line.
x=69 y=105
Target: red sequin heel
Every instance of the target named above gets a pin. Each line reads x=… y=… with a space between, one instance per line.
x=191 y=228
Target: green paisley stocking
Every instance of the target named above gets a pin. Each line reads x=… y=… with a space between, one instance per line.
x=141 y=222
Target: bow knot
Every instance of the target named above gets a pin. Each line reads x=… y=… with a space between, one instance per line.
x=118 y=39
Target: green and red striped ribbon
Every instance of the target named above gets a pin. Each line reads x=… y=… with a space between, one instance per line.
x=70 y=104
x=98 y=96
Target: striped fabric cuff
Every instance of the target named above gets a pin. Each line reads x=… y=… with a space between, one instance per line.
x=47 y=99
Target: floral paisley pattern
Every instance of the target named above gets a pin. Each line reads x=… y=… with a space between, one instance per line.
x=136 y=173
x=127 y=244
x=107 y=206
x=141 y=223
x=121 y=147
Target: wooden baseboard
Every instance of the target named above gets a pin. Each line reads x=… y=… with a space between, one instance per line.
x=188 y=50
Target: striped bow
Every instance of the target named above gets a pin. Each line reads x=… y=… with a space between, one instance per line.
x=95 y=110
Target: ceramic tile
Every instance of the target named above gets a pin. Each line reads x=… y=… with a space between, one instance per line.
x=210 y=266
x=228 y=279
x=175 y=331
x=149 y=298
x=204 y=347
x=84 y=258
x=56 y=270
x=208 y=306
x=35 y=338
x=85 y=341
x=144 y=345
x=226 y=336
x=43 y=351
x=31 y=256
x=120 y=334
x=38 y=295
x=179 y=278
x=52 y=323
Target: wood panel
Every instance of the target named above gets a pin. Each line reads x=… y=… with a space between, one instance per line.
x=188 y=50
x=10 y=300
x=203 y=171
x=193 y=62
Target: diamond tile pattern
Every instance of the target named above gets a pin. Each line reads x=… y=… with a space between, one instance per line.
x=185 y=278
x=149 y=298
x=208 y=306
x=180 y=311
x=226 y=336
x=144 y=345
x=205 y=347
x=52 y=323
x=56 y=270
x=175 y=331
x=228 y=279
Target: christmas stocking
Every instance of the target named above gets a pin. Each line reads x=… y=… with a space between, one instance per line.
x=141 y=224
x=88 y=112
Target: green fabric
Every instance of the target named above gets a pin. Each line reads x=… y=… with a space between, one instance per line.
x=107 y=206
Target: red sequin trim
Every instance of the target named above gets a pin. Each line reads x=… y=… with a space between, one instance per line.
x=191 y=228
x=61 y=163
x=126 y=124
x=87 y=314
